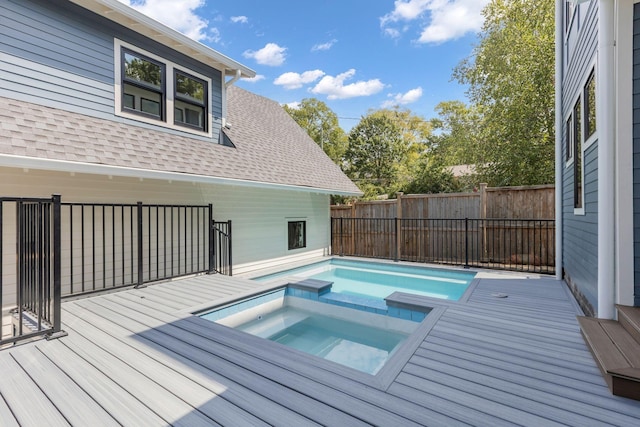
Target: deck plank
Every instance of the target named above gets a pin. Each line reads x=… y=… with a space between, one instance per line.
x=231 y=400
x=29 y=405
x=140 y=356
x=209 y=336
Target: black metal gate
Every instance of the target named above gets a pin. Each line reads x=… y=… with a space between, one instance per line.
x=221 y=258
x=35 y=306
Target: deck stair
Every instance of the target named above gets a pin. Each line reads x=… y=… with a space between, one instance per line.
x=615 y=346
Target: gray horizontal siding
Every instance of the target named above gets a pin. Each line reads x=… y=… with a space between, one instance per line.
x=636 y=153
x=57 y=54
x=580 y=232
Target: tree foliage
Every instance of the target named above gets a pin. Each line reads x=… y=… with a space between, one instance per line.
x=510 y=78
x=383 y=149
x=322 y=125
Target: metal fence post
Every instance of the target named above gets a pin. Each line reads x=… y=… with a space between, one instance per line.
x=342 y=237
x=57 y=270
x=397 y=242
x=466 y=243
x=230 y=251
x=211 y=268
x=140 y=247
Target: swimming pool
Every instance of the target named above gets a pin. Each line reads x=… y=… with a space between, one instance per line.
x=356 y=339
x=379 y=280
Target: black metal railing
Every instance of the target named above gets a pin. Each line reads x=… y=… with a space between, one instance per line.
x=30 y=298
x=221 y=258
x=109 y=246
x=509 y=244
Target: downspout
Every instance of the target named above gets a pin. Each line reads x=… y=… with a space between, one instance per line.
x=559 y=129
x=605 y=111
x=227 y=84
x=233 y=79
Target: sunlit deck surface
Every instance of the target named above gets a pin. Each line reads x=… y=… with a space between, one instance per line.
x=138 y=357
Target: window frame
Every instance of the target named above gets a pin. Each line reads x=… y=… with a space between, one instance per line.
x=188 y=101
x=578 y=157
x=589 y=134
x=161 y=90
x=168 y=98
x=291 y=221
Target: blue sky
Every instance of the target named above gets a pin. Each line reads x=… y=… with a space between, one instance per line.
x=354 y=55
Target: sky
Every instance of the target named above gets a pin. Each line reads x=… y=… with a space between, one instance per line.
x=353 y=55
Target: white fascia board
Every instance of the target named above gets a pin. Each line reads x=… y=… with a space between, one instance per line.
x=22 y=162
x=120 y=13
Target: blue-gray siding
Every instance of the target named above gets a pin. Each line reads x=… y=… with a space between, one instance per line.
x=636 y=152
x=60 y=55
x=580 y=238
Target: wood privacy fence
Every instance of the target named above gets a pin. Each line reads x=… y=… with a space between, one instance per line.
x=507 y=228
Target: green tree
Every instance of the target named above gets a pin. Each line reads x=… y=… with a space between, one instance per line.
x=375 y=151
x=322 y=125
x=510 y=78
x=432 y=177
x=455 y=139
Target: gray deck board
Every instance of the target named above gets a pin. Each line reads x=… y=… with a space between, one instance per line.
x=203 y=334
x=186 y=372
x=138 y=358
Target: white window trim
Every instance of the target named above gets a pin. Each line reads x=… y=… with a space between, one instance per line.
x=170 y=69
x=569 y=162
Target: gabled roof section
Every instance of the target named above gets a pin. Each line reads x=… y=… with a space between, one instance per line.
x=271 y=150
x=124 y=15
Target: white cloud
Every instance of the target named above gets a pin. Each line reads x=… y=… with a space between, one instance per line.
x=454 y=21
x=178 y=14
x=271 y=54
x=295 y=105
x=335 y=88
x=295 y=81
x=324 y=46
x=254 y=79
x=403 y=98
x=239 y=19
x=441 y=20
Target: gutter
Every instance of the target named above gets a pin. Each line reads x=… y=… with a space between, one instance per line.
x=605 y=118
x=559 y=128
x=233 y=79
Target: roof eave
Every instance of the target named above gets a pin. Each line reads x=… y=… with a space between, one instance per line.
x=107 y=170
x=122 y=14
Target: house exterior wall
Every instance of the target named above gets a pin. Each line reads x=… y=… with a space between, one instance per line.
x=580 y=236
x=636 y=151
x=259 y=215
x=60 y=55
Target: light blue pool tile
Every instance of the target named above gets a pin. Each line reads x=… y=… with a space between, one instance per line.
x=393 y=311
x=405 y=314
x=418 y=316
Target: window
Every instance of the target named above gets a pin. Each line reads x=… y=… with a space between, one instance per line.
x=297 y=232
x=590 y=106
x=577 y=156
x=154 y=90
x=143 y=80
x=568 y=14
x=569 y=139
x=190 y=106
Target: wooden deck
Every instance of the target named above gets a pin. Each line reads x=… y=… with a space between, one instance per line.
x=138 y=358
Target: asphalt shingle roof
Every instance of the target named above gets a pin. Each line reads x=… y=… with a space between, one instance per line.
x=270 y=147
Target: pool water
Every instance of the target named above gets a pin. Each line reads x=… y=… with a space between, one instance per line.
x=379 y=280
x=358 y=346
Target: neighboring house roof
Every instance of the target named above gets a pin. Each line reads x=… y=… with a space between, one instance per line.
x=122 y=14
x=462 y=170
x=271 y=150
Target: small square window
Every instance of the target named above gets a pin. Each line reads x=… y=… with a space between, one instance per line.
x=297 y=231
